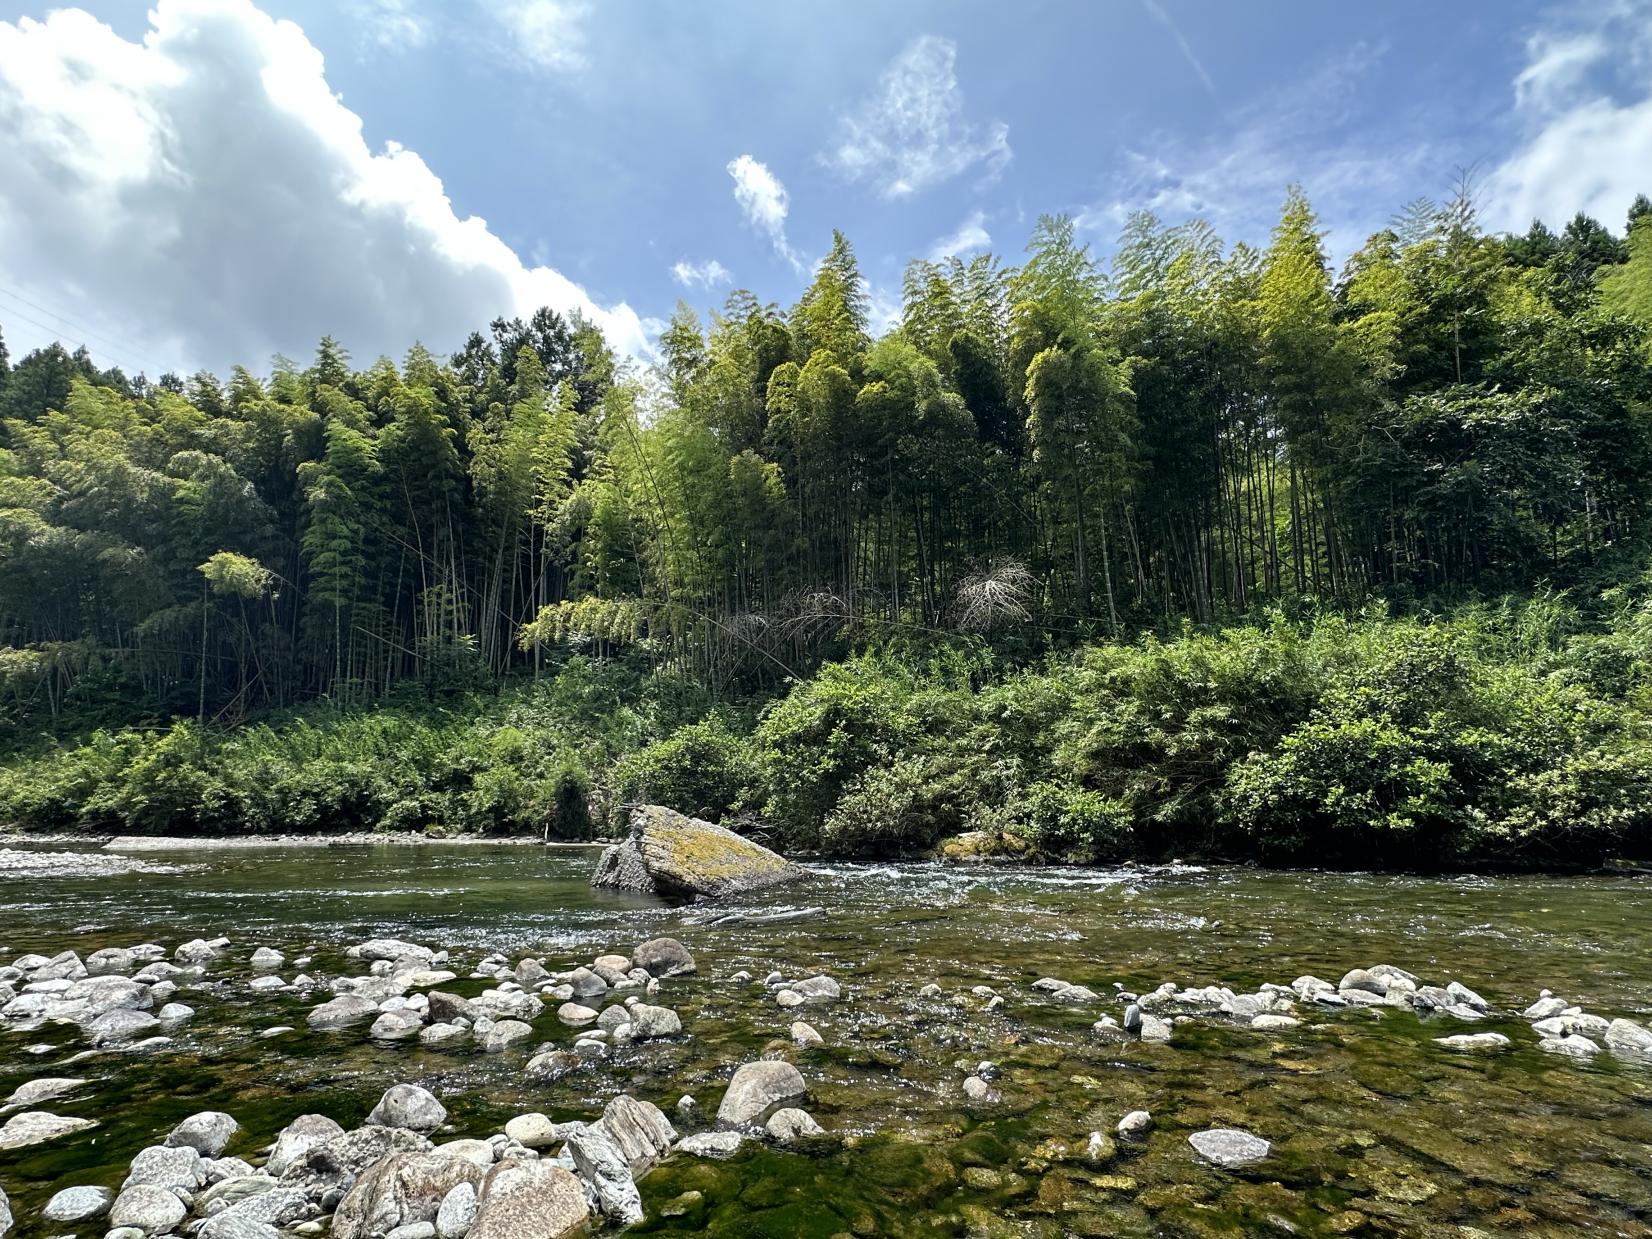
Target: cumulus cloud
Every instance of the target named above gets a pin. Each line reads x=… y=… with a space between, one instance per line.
x=765 y=203
x=706 y=275
x=911 y=134
x=204 y=193
x=969 y=237
x=1584 y=105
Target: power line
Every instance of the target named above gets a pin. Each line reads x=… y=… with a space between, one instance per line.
x=22 y=317
x=111 y=347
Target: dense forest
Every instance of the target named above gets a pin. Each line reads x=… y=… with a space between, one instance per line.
x=1221 y=492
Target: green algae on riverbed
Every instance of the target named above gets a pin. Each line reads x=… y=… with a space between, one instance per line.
x=1376 y=1129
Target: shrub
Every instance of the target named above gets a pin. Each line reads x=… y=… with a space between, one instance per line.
x=704 y=770
x=1060 y=818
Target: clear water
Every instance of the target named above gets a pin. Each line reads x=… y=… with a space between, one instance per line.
x=1376 y=1129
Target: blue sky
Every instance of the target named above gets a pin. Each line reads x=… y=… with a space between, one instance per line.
x=191 y=189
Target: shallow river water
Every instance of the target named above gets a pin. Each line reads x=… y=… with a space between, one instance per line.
x=1376 y=1129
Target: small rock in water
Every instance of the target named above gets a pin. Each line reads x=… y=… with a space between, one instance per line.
x=48 y=1088
x=755 y=1088
x=717 y=1145
x=408 y=1105
x=267 y=957
x=1228 y=1147
x=37 y=1126
x=78 y=1204
x=152 y=1210
x=664 y=957
x=978 y=1090
x=1135 y=1125
x=208 y=1132
x=1473 y=1041
x=791 y=1124
x=1546 y=1006
x=1576 y=1045
x=805 y=1036
x=1626 y=1035
x=534 y=1131
x=574 y=1013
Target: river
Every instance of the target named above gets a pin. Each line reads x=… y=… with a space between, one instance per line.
x=1376 y=1129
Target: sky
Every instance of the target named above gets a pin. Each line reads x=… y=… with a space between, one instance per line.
x=198 y=183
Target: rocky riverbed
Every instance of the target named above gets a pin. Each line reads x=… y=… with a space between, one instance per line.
x=483 y=1045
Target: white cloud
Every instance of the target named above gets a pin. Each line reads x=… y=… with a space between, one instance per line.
x=1312 y=131
x=911 y=135
x=969 y=237
x=707 y=274
x=1584 y=105
x=205 y=194
x=548 y=34
x=392 y=24
x=765 y=202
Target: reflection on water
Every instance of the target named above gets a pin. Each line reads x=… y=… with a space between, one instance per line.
x=1376 y=1129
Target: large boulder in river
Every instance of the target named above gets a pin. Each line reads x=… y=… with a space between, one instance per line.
x=668 y=853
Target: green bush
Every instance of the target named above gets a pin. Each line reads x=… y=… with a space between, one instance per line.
x=704 y=770
x=1060 y=819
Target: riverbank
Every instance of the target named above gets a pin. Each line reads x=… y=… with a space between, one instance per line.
x=1511 y=737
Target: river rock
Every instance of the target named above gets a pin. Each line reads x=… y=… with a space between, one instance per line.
x=534 y=1131
x=174 y=1167
x=298 y=1138
x=410 y=1106
x=208 y=1132
x=1228 y=1147
x=1473 y=1041
x=552 y=1065
x=639 y=1129
x=666 y=852
x=529 y=1200
x=606 y=1172
x=446 y=1007
x=195 y=951
x=1574 y=1044
x=755 y=1088
x=502 y=1034
x=1628 y=1035
x=789 y=1125
x=1135 y=1125
x=402 y=1025
x=120 y=1027
x=575 y=1014
x=38 y=1126
x=393 y=950
x=231 y=1192
x=457 y=1212
x=47 y=1088
x=275 y=1207
x=267 y=958
x=664 y=957
x=175 y=1013
x=78 y=1204
x=716 y=1145
x=218 y=1169
x=441 y=1034
x=333 y=1165
x=400 y=1189
x=341 y=1012
x=818 y=989
x=1464 y=996
x=503 y=1004
x=649 y=1022
x=110 y=959
x=1546 y=1006
x=153 y=1210
x=1365 y=980
x=805 y=1037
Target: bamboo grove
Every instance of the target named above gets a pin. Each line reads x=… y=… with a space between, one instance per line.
x=1046 y=453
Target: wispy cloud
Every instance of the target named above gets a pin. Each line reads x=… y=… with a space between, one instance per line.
x=1162 y=16
x=1310 y=132
x=765 y=203
x=969 y=237
x=706 y=275
x=547 y=35
x=911 y=135
x=392 y=24
x=1583 y=102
